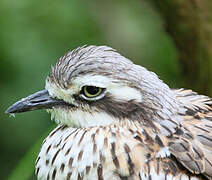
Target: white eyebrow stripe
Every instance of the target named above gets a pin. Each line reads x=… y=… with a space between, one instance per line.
x=118 y=91
x=92 y=80
x=125 y=93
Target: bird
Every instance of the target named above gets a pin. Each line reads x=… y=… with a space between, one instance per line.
x=119 y=121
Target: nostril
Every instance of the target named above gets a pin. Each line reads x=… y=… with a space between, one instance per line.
x=38 y=101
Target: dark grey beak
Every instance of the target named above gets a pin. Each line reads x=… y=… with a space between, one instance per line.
x=38 y=100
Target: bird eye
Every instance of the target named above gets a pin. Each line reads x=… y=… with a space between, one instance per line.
x=91 y=91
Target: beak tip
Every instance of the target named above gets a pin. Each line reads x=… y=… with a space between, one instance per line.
x=11 y=109
x=7 y=111
x=16 y=107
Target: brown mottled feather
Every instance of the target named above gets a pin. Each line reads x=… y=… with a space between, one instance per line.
x=193 y=149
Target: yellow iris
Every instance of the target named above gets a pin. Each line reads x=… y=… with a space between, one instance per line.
x=91 y=91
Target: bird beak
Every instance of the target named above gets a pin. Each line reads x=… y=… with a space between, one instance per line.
x=38 y=100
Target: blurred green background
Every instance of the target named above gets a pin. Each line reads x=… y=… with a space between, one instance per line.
x=35 y=33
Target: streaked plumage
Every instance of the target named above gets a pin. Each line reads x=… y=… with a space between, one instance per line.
x=136 y=128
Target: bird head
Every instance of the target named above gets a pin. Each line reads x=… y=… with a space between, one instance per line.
x=96 y=86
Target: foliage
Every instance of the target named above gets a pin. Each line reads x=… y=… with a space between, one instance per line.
x=25 y=168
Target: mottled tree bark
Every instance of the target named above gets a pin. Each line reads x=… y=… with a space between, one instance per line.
x=189 y=22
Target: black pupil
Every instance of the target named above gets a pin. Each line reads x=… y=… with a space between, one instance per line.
x=92 y=90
